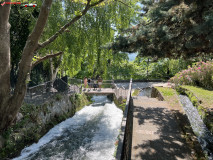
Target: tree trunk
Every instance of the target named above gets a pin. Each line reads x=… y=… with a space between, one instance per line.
x=147 y=70
x=9 y=106
x=53 y=71
x=5 y=64
x=54 y=67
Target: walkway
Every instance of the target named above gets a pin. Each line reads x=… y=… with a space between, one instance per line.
x=156 y=135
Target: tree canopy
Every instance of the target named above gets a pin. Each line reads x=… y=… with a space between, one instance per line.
x=81 y=43
x=171 y=28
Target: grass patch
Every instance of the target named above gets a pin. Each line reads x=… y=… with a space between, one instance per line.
x=166 y=91
x=170 y=96
x=136 y=92
x=205 y=96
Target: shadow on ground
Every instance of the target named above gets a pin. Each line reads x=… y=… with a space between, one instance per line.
x=162 y=139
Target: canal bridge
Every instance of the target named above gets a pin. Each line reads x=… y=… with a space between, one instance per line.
x=108 y=87
x=38 y=94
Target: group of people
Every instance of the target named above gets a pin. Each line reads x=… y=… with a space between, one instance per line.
x=93 y=83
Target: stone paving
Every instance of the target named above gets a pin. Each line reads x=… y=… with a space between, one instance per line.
x=156 y=135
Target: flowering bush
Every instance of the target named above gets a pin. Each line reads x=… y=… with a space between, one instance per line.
x=200 y=74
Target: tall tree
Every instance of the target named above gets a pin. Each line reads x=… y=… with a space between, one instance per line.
x=84 y=56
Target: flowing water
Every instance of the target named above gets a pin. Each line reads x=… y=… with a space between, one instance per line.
x=203 y=134
x=89 y=135
x=145 y=92
x=145 y=87
x=135 y=85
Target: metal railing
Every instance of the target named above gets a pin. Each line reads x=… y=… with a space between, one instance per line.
x=80 y=83
x=74 y=81
x=104 y=84
x=40 y=93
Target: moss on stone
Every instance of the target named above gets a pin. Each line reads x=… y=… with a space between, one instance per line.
x=120 y=102
x=79 y=101
x=136 y=92
x=58 y=97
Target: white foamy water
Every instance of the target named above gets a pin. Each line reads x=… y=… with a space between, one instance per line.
x=204 y=136
x=90 y=134
x=135 y=85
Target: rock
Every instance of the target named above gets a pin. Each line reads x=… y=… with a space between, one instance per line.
x=19 y=116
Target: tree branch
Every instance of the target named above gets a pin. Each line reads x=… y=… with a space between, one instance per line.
x=63 y=29
x=96 y=3
x=46 y=57
x=124 y=3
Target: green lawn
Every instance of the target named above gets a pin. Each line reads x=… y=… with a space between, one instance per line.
x=170 y=96
x=205 y=96
x=166 y=91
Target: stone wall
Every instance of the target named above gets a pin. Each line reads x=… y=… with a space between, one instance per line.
x=125 y=136
x=37 y=120
x=56 y=108
x=127 y=146
x=156 y=94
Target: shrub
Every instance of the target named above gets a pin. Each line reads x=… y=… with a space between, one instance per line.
x=200 y=74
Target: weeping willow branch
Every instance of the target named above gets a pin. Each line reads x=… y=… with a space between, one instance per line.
x=46 y=57
x=63 y=29
x=124 y=3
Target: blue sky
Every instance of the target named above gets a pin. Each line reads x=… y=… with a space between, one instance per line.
x=132 y=56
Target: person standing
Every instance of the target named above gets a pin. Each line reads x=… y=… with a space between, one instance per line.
x=95 y=84
x=100 y=82
x=89 y=81
x=85 y=82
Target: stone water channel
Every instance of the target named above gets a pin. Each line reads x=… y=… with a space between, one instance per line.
x=90 y=134
x=204 y=136
x=144 y=87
